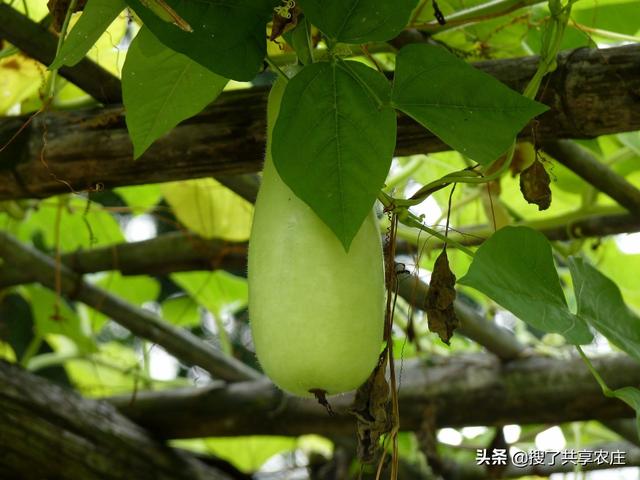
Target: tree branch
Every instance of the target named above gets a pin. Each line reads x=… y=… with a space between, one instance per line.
x=593 y=92
x=459 y=391
x=561 y=228
x=50 y=432
x=583 y=163
x=177 y=341
x=40 y=44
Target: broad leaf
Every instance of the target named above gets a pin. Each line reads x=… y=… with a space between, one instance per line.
x=53 y=315
x=219 y=291
x=181 y=310
x=228 y=37
x=160 y=88
x=209 y=209
x=140 y=197
x=334 y=140
x=601 y=305
x=466 y=108
x=247 y=454
x=630 y=396
x=514 y=267
x=359 y=21
x=96 y=17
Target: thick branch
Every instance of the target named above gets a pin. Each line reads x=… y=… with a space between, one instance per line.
x=39 y=43
x=593 y=92
x=177 y=341
x=587 y=166
x=560 y=228
x=459 y=391
x=167 y=253
x=49 y=432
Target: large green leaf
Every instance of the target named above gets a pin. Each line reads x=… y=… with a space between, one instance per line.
x=217 y=291
x=78 y=223
x=630 y=396
x=359 y=21
x=161 y=88
x=181 y=310
x=96 y=17
x=466 y=108
x=334 y=140
x=514 y=267
x=228 y=37
x=247 y=454
x=209 y=209
x=53 y=315
x=601 y=305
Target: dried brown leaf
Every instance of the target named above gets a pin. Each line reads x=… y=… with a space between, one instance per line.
x=282 y=24
x=439 y=302
x=534 y=185
x=372 y=409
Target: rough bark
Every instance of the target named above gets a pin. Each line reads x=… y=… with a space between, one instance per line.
x=47 y=432
x=593 y=92
x=457 y=391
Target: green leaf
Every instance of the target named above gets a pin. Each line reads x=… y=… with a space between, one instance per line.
x=514 y=267
x=140 y=197
x=160 y=88
x=209 y=209
x=359 y=21
x=80 y=225
x=334 y=140
x=630 y=396
x=300 y=39
x=601 y=305
x=53 y=315
x=247 y=454
x=95 y=19
x=466 y=108
x=228 y=37
x=181 y=310
x=217 y=291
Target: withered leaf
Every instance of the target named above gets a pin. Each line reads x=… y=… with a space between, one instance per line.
x=282 y=24
x=439 y=302
x=58 y=10
x=372 y=409
x=534 y=185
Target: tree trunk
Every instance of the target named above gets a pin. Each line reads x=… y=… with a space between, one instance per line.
x=47 y=432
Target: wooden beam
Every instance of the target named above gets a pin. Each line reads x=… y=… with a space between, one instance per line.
x=47 y=431
x=457 y=391
x=593 y=92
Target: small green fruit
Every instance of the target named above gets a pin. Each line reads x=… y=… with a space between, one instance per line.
x=317 y=312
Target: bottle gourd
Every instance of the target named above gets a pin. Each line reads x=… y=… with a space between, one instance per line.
x=316 y=311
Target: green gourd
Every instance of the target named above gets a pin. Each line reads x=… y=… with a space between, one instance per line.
x=316 y=311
